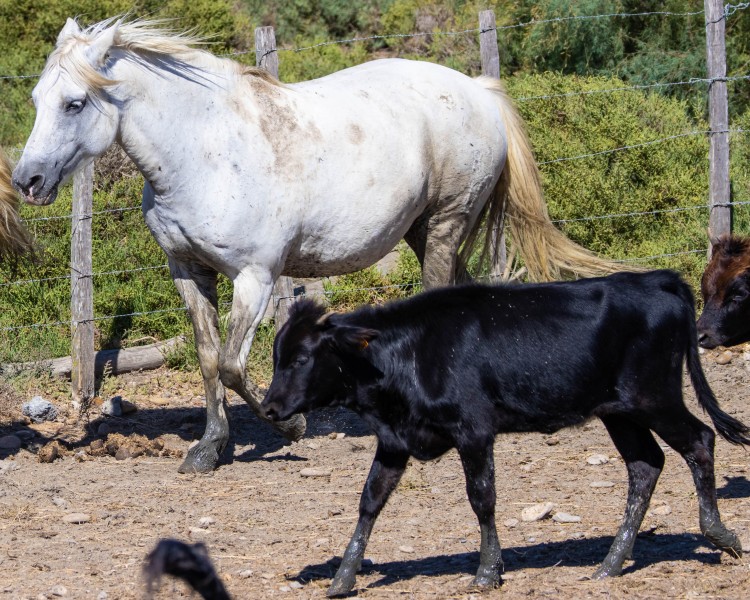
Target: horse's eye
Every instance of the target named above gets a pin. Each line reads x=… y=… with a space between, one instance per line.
x=75 y=106
x=300 y=360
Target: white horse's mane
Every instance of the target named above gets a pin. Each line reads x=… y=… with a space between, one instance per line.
x=141 y=37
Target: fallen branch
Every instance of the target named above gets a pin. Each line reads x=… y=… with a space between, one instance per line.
x=117 y=362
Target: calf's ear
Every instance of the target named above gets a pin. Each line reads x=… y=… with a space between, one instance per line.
x=351 y=339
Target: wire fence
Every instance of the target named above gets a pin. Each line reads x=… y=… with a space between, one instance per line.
x=729 y=10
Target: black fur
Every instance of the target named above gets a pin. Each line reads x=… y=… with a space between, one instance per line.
x=451 y=368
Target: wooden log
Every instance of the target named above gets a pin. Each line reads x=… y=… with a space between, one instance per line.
x=125 y=360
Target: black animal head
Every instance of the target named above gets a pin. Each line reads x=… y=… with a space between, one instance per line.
x=725 y=287
x=319 y=359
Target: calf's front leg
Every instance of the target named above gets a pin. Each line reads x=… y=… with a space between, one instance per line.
x=385 y=473
x=479 y=469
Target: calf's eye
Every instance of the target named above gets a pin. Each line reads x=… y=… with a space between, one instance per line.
x=300 y=360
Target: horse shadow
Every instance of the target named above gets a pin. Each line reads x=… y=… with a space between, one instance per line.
x=649 y=549
x=188 y=423
x=734 y=488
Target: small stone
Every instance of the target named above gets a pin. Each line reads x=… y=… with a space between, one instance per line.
x=602 y=484
x=406 y=549
x=245 y=573
x=295 y=585
x=197 y=530
x=38 y=410
x=340 y=436
x=724 y=358
x=102 y=595
x=122 y=453
x=661 y=511
x=562 y=517
x=206 y=521
x=10 y=442
x=536 y=512
x=285 y=588
x=310 y=472
x=77 y=518
x=511 y=523
x=59 y=590
x=332 y=435
x=112 y=407
x=320 y=542
x=598 y=459
x=81 y=456
x=267 y=576
x=59 y=502
x=552 y=441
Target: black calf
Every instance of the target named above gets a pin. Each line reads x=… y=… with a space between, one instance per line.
x=452 y=368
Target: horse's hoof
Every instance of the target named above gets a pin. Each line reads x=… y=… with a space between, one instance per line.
x=486 y=582
x=724 y=539
x=342 y=583
x=606 y=571
x=293 y=428
x=200 y=459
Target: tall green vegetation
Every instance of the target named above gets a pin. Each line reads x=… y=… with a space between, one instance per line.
x=665 y=181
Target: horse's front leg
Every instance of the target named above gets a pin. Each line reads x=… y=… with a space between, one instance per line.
x=197 y=286
x=252 y=290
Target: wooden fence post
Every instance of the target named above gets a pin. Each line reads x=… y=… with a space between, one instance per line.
x=267 y=58
x=491 y=68
x=82 y=289
x=720 y=217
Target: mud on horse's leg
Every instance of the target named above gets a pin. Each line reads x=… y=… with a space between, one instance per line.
x=197 y=287
x=252 y=290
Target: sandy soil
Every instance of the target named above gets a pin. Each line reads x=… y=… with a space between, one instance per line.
x=273 y=532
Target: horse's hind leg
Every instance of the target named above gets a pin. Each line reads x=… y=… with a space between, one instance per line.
x=436 y=239
x=695 y=442
x=644 y=460
x=197 y=287
x=252 y=290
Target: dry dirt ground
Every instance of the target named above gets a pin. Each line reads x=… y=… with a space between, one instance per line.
x=273 y=532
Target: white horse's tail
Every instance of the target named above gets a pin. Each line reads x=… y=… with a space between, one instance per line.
x=546 y=252
x=14 y=238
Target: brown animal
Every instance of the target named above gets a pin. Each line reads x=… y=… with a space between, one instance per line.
x=14 y=239
x=725 y=287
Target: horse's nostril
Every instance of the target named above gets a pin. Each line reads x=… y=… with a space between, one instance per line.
x=27 y=188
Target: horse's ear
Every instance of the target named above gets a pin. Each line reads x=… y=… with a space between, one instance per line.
x=71 y=28
x=101 y=45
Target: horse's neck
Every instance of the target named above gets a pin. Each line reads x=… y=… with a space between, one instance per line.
x=164 y=117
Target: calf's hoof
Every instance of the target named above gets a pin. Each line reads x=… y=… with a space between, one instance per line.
x=201 y=458
x=293 y=428
x=724 y=539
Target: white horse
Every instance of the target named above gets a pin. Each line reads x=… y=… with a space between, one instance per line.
x=252 y=178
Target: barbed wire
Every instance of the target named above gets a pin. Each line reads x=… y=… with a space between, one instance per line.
x=641 y=145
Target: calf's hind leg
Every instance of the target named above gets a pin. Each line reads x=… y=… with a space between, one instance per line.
x=479 y=469
x=385 y=473
x=644 y=460
x=695 y=442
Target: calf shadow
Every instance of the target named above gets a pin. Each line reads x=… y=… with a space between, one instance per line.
x=649 y=549
x=734 y=487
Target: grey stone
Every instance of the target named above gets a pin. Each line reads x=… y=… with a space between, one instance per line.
x=562 y=517
x=536 y=512
x=38 y=410
x=112 y=407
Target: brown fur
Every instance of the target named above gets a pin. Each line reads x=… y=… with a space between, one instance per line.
x=14 y=239
x=730 y=257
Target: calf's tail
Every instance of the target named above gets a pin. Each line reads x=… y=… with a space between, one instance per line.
x=731 y=429
x=187 y=562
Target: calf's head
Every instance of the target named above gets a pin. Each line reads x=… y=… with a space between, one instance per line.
x=725 y=287
x=318 y=360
